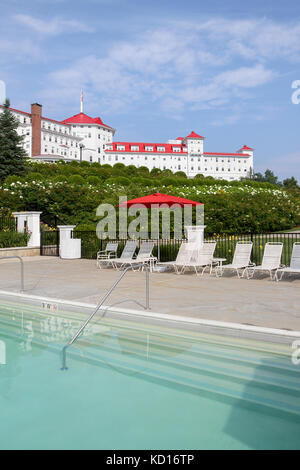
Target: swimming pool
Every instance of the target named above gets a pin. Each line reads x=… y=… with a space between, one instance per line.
x=140 y=384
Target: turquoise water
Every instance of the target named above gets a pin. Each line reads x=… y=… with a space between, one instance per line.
x=135 y=386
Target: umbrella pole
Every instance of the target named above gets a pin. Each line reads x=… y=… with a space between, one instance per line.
x=158 y=246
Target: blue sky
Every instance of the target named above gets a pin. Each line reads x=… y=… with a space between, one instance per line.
x=157 y=69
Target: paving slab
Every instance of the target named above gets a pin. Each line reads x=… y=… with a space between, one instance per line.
x=259 y=302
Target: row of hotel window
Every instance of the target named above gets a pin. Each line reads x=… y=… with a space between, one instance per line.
x=136 y=148
x=178 y=159
x=60 y=141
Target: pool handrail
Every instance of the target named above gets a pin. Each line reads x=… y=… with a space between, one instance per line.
x=80 y=330
x=22 y=268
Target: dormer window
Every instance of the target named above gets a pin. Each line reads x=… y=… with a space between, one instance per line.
x=149 y=149
x=176 y=149
x=161 y=149
x=134 y=148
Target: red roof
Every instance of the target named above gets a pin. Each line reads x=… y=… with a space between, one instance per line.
x=82 y=118
x=229 y=154
x=142 y=147
x=193 y=135
x=159 y=199
x=246 y=148
x=43 y=118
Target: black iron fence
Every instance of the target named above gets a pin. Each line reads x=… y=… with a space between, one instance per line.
x=91 y=244
x=50 y=243
x=8 y=223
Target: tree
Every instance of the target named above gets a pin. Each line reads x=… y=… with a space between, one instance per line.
x=290 y=183
x=12 y=155
x=270 y=177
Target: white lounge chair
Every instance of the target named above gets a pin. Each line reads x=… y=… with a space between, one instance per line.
x=127 y=254
x=201 y=258
x=240 y=261
x=109 y=252
x=270 y=262
x=294 y=267
x=185 y=253
x=143 y=256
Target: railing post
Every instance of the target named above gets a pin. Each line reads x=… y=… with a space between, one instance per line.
x=147 y=289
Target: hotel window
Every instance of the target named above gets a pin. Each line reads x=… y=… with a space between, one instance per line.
x=134 y=148
x=161 y=149
x=149 y=149
x=120 y=147
x=91 y=159
x=176 y=149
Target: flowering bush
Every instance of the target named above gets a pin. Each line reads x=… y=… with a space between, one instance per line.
x=229 y=206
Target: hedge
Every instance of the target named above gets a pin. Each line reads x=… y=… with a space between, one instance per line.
x=13 y=239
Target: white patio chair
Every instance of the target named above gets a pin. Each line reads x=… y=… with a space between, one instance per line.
x=109 y=252
x=127 y=254
x=294 y=267
x=240 y=261
x=185 y=253
x=143 y=256
x=201 y=258
x=270 y=262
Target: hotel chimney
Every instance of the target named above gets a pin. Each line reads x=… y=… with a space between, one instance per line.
x=36 y=121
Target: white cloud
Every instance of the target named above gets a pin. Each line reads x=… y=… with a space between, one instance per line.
x=183 y=66
x=52 y=27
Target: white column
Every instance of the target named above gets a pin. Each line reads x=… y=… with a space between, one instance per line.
x=32 y=221
x=195 y=234
x=69 y=248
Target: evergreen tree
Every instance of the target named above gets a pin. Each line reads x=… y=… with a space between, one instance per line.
x=12 y=155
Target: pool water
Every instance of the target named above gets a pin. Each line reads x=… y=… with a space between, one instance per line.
x=131 y=385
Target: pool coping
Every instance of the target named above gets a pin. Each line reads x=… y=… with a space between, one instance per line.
x=162 y=316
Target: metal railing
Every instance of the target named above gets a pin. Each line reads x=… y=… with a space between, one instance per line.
x=22 y=268
x=80 y=330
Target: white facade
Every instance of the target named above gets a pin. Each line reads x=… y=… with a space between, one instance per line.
x=81 y=137
x=183 y=154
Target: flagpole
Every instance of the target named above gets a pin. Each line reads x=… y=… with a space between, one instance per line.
x=81 y=102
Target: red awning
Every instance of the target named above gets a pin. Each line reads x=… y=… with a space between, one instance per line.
x=159 y=199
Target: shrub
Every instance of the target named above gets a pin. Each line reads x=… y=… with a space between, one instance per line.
x=34 y=177
x=13 y=239
x=76 y=179
x=94 y=180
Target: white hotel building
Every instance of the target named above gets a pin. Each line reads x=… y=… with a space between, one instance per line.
x=81 y=137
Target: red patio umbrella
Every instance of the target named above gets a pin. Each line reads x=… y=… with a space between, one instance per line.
x=159 y=199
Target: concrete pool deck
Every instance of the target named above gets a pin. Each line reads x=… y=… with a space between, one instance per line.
x=257 y=302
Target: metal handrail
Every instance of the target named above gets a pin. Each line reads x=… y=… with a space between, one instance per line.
x=22 y=268
x=80 y=330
